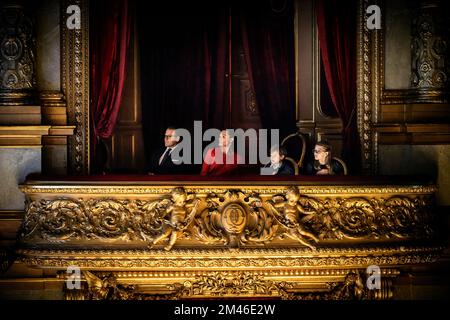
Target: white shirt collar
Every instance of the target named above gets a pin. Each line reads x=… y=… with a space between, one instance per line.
x=276 y=166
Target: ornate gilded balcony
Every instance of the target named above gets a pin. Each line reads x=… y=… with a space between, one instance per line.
x=288 y=238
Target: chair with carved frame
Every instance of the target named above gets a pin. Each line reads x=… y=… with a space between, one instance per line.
x=293 y=164
x=295 y=145
x=342 y=163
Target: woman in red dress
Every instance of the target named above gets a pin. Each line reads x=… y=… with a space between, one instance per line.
x=221 y=160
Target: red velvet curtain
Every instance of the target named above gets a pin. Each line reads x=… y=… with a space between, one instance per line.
x=268 y=39
x=183 y=65
x=110 y=29
x=337 y=36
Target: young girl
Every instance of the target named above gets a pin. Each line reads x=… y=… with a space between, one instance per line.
x=323 y=163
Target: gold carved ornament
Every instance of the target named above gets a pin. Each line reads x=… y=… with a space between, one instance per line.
x=177 y=259
x=232 y=218
x=226 y=284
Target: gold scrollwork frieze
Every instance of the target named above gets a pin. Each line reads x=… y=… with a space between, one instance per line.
x=267 y=190
x=217 y=284
x=272 y=273
x=241 y=253
x=254 y=259
x=230 y=218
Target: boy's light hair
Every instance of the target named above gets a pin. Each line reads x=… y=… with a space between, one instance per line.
x=280 y=149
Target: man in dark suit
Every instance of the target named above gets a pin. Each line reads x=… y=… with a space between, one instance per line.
x=161 y=161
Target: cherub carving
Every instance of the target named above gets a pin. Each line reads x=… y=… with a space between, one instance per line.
x=98 y=288
x=287 y=212
x=181 y=210
x=107 y=288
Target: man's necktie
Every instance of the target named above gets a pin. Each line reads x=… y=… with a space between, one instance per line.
x=165 y=156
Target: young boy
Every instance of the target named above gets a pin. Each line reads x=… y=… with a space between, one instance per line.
x=278 y=166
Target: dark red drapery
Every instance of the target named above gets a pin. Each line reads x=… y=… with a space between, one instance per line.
x=268 y=39
x=337 y=36
x=110 y=30
x=185 y=69
x=183 y=66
